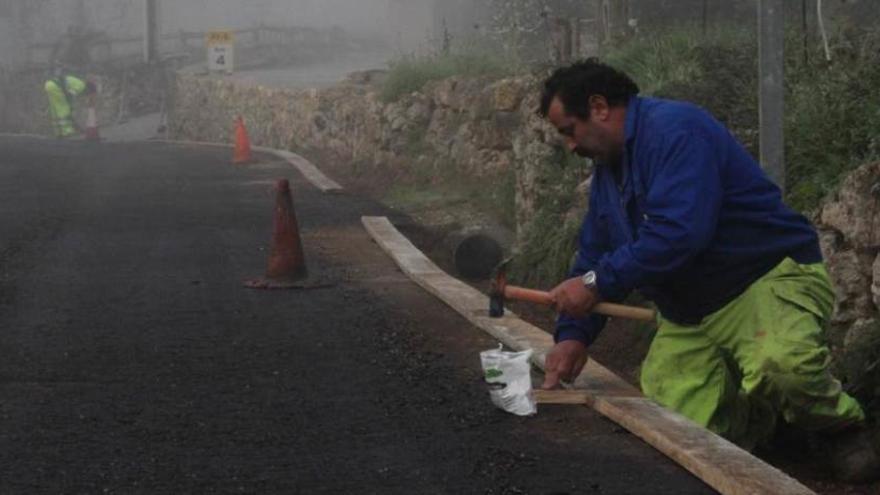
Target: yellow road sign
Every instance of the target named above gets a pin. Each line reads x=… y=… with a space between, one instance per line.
x=221 y=50
x=220 y=38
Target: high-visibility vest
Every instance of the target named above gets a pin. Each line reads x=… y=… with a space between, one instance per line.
x=60 y=92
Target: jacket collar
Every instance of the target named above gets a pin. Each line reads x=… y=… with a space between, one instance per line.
x=632 y=118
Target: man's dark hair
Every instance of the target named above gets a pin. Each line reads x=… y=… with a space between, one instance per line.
x=575 y=85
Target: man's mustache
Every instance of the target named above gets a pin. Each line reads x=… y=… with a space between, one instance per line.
x=583 y=152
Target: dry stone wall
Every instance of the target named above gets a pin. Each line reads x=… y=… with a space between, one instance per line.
x=849 y=224
x=481 y=128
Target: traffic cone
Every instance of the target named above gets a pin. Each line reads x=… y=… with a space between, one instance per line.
x=242 y=153
x=287 y=265
x=91 y=132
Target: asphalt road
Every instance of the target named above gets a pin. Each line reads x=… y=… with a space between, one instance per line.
x=133 y=361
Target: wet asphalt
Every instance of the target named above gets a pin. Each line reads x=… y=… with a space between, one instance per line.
x=132 y=360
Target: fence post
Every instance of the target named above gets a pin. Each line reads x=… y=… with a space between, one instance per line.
x=150 y=31
x=772 y=93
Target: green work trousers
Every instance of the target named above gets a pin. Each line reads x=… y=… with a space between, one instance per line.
x=761 y=357
x=60 y=107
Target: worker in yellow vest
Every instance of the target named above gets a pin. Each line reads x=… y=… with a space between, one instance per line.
x=61 y=89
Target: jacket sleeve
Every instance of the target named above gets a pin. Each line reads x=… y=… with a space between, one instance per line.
x=681 y=207
x=75 y=85
x=593 y=243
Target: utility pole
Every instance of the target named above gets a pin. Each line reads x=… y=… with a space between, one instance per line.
x=804 y=34
x=151 y=34
x=705 y=17
x=771 y=25
x=79 y=17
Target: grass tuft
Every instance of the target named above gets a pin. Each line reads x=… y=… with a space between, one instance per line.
x=409 y=74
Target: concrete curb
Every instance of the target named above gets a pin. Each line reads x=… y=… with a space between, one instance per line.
x=718 y=462
x=305 y=167
x=16 y=135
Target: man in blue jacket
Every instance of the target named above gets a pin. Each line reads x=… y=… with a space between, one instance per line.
x=682 y=213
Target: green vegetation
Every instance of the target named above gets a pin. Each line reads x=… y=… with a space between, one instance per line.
x=661 y=60
x=861 y=368
x=832 y=118
x=443 y=187
x=550 y=240
x=410 y=73
x=832 y=109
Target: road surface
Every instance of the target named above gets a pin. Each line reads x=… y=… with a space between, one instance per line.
x=133 y=361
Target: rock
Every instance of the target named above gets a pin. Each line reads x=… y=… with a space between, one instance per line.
x=486 y=134
x=420 y=112
x=875 y=284
x=443 y=128
x=581 y=201
x=854 y=210
x=849 y=234
x=489 y=163
x=507 y=95
x=852 y=285
x=829 y=241
x=459 y=93
x=861 y=332
x=857 y=356
x=443 y=91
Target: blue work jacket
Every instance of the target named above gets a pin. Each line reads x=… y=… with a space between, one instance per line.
x=691 y=222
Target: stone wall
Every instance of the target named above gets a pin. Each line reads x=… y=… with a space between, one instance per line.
x=849 y=226
x=481 y=128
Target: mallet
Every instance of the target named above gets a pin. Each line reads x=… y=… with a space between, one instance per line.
x=501 y=292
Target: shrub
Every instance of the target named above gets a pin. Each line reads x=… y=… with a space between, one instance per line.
x=410 y=73
x=832 y=117
x=550 y=239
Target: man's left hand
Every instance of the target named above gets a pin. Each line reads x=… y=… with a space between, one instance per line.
x=574 y=299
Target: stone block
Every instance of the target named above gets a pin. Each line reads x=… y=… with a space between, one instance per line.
x=875 y=282
x=854 y=210
x=852 y=284
x=507 y=95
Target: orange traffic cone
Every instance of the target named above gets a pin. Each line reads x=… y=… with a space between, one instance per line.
x=242 y=153
x=91 y=132
x=287 y=265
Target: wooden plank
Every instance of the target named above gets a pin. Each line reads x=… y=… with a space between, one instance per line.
x=573 y=397
x=719 y=463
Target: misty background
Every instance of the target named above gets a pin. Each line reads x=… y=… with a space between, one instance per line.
x=28 y=28
x=36 y=33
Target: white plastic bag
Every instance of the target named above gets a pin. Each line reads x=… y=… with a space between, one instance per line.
x=508 y=375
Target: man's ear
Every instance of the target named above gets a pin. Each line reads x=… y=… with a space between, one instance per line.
x=599 y=109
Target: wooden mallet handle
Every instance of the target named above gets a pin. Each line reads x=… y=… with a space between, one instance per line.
x=603 y=308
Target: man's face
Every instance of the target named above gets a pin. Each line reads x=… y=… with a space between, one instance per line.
x=585 y=137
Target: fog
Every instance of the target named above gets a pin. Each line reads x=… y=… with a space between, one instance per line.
x=334 y=36
x=27 y=27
